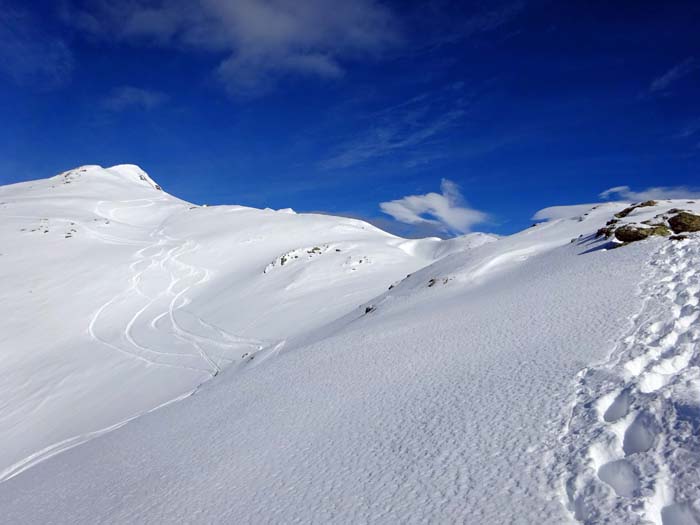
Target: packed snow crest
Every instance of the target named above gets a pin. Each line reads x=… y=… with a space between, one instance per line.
x=169 y=362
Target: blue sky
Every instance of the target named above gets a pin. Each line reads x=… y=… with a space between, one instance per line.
x=480 y=112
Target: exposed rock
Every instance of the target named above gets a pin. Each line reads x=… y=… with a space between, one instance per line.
x=630 y=233
x=627 y=211
x=685 y=222
x=606 y=231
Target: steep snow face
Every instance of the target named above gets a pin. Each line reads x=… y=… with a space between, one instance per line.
x=74 y=247
x=133 y=173
x=118 y=297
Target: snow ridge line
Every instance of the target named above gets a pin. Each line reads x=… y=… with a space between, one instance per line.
x=630 y=450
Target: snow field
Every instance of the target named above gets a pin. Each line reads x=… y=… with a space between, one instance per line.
x=326 y=371
x=439 y=405
x=119 y=298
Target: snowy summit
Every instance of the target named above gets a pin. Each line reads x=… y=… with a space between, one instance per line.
x=169 y=362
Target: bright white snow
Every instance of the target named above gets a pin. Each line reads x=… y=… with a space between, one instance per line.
x=118 y=297
x=540 y=378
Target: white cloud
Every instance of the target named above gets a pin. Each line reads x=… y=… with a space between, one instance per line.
x=129 y=97
x=446 y=210
x=29 y=55
x=561 y=212
x=659 y=192
x=259 y=39
x=677 y=72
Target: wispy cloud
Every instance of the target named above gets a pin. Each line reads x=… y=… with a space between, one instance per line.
x=659 y=192
x=483 y=21
x=390 y=137
x=130 y=97
x=260 y=39
x=662 y=83
x=690 y=129
x=30 y=55
x=446 y=210
x=404 y=127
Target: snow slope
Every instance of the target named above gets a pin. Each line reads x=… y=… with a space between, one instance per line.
x=542 y=378
x=119 y=298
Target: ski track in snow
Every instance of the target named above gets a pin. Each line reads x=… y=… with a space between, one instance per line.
x=152 y=315
x=67 y=444
x=631 y=447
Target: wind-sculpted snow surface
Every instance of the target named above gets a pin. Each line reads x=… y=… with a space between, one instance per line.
x=632 y=444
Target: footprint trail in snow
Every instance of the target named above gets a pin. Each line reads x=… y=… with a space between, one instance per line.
x=631 y=448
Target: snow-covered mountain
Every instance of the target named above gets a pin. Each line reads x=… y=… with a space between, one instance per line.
x=342 y=374
x=120 y=297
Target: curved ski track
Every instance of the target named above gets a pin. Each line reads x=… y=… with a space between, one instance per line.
x=148 y=321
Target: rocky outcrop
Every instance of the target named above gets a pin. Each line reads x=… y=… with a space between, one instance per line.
x=684 y=222
x=627 y=211
x=631 y=233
